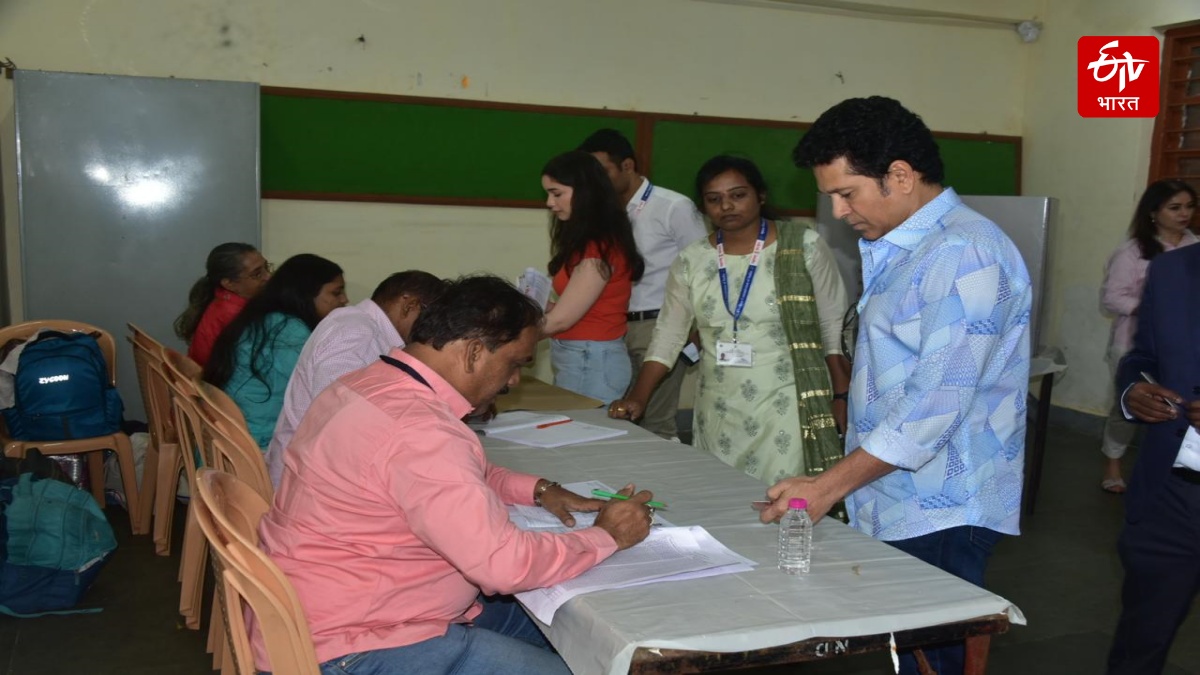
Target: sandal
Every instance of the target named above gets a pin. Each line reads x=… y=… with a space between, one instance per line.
x=1115 y=486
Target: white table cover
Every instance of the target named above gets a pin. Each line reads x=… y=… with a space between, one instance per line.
x=858 y=586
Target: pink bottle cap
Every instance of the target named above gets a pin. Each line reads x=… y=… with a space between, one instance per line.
x=797 y=503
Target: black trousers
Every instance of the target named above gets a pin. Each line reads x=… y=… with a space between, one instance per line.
x=1161 y=556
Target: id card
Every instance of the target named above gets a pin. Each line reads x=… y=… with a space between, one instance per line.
x=736 y=354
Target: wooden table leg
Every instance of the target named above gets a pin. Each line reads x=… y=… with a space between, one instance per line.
x=975 y=662
x=1037 y=453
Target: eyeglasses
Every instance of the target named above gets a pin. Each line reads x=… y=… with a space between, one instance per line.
x=850 y=331
x=262 y=272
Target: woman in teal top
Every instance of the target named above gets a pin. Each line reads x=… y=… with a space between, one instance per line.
x=255 y=354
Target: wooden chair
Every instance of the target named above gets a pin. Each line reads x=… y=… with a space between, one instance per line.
x=94 y=447
x=160 y=470
x=228 y=511
x=183 y=383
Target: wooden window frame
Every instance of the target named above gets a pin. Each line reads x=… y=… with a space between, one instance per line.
x=1166 y=154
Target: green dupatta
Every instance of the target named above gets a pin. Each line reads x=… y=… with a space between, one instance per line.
x=802 y=326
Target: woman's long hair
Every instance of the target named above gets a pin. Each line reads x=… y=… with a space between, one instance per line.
x=1143 y=228
x=292 y=290
x=224 y=262
x=597 y=216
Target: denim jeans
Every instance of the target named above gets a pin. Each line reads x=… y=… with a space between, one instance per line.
x=599 y=369
x=963 y=552
x=502 y=641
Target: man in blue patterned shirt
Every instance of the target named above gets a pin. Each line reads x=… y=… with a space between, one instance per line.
x=940 y=372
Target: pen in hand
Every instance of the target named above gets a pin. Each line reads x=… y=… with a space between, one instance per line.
x=612 y=495
x=1150 y=380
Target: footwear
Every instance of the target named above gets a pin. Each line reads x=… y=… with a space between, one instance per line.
x=1113 y=485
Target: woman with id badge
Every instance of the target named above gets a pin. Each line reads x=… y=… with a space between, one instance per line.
x=768 y=300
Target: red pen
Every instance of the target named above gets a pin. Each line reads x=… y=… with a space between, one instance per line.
x=551 y=424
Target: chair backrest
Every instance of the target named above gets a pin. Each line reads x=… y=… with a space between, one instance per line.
x=108 y=347
x=148 y=355
x=233 y=449
x=228 y=512
x=185 y=409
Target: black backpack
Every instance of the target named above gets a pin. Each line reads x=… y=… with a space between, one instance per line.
x=62 y=390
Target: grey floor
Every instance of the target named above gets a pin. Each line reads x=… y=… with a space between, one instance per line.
x=1062 y=572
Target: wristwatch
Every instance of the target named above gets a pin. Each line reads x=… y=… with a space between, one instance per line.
x=541 y=490
x=844 y=396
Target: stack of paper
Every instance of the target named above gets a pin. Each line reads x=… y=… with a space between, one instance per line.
x=668 y=554
x=517 y=419
x=543 y=430
x=535 y=285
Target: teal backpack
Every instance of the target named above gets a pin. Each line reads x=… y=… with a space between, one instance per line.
x=54 y=540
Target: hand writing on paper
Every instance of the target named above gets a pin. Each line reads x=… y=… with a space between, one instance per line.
x=1152 y=402
x=627 y=521
x=561 y=502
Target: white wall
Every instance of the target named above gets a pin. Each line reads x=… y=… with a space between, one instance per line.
x=1098 y=170
x=679 y=56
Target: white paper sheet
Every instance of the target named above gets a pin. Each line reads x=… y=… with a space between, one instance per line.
x=571 y=433
x=516 y=419
x=537 y=518
x=668 y=552
x=535 y=285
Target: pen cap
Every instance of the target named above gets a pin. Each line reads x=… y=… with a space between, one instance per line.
x=797 y=503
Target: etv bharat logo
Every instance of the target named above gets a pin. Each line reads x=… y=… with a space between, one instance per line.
x=1118 y=76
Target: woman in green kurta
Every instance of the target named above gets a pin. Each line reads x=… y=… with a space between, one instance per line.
x=763 y=401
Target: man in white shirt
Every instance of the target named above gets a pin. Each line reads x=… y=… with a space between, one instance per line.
x=348 y=339
x=664 y=223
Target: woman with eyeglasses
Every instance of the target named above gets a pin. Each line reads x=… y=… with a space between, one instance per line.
x=234 y=273
x=768 y=300
x=255 y=355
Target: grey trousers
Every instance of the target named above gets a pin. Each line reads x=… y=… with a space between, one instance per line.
x=664 y=404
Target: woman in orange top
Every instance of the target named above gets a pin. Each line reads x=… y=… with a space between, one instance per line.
x=594 y=262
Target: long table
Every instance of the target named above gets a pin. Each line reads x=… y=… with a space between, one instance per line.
x=858 y=595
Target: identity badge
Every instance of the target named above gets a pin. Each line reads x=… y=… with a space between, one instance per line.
x=1118 y=75
x=736 y=354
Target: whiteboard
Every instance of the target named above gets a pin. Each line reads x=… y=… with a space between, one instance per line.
x=1026 y=220
x=124 y=185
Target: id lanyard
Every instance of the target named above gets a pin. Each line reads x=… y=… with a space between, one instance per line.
x=645 y=198
x=406 y=368
x=736 y=313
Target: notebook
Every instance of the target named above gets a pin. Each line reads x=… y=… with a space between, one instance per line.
x=511 y=421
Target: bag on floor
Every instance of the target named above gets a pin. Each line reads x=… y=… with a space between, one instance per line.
x=62 y=390
x=54 y=540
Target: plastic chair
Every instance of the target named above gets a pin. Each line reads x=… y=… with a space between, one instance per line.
x=160 y=470
x=185 y=394
x=233 y=449
x=228 y=511
x=92 y=447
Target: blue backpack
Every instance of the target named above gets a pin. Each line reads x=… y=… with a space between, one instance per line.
x=62 y=391
x=54 y=540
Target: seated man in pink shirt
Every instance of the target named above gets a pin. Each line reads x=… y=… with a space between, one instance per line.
x=390 y=522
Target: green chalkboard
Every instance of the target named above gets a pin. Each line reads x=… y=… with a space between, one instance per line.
x=331 y=147
x=679 y=148
x=334 y=145
x=973 y=166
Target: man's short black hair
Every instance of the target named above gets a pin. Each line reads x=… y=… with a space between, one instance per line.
x=482 y=307
x=421 y=285
x=612 y=143
x=871 y=133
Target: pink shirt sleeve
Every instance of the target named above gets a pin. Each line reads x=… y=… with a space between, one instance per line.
x=455 y=503
x=1123 y=280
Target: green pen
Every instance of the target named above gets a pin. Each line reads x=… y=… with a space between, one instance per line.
x=610 y=495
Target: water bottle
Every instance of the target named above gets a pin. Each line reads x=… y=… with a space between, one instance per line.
x=795 y=538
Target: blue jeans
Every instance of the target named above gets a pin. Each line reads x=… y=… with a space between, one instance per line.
x=963 y=552
x=592 y=368
x=502 y=641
